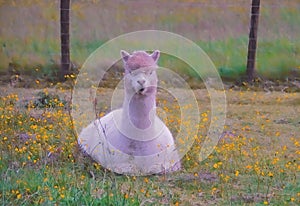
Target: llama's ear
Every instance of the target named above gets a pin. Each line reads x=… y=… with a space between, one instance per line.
x=155 y=55
x=125 y=56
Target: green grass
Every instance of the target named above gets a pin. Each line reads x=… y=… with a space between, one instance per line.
x=256 y=164
x=33 y=42
x=276 y=59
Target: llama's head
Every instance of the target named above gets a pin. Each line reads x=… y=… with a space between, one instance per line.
x=140 y=72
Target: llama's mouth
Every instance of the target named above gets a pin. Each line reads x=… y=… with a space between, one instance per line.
x=142 y=91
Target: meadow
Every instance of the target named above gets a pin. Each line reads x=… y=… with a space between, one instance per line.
x=276 y=59
x=256 y=162
x=31 y=46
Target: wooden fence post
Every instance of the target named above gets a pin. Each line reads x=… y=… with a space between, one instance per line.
x=65 y=37
x=250 y=72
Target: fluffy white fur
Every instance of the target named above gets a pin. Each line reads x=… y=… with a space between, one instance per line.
x=133 y=140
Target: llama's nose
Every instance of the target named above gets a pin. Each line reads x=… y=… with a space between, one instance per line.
x=141 y=82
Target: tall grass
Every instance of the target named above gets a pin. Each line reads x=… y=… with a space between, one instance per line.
x=276 y=59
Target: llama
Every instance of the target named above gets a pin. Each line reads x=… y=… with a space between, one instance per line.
x=133 y=140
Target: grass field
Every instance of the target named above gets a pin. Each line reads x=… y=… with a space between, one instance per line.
x=255 y=163
x=276 y=59
x=31 y=45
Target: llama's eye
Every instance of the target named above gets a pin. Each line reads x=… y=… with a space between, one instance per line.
x=151 y=73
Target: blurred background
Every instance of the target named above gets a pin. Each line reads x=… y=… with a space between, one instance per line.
x=30 y=32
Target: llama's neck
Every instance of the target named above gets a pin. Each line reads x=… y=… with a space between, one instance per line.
x=139 y=110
